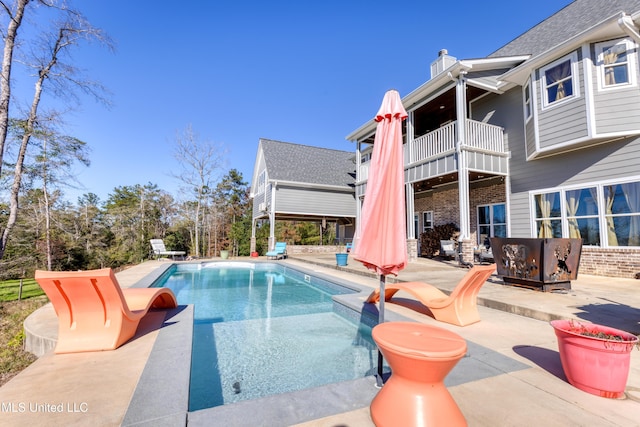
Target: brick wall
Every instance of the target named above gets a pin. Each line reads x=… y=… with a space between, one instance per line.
x=447 y=202
x=618 y=262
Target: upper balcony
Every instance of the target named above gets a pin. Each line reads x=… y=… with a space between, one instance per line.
x=485 y=141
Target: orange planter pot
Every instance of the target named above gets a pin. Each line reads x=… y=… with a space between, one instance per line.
x=598 y=366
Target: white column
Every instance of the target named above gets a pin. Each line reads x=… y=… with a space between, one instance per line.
x=463 y=174
x=409 y=195
x=358 y=200
x=272 y=218
x=410 y=135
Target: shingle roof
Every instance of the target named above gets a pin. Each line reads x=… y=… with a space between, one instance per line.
x=305 y=164
x=564 y=24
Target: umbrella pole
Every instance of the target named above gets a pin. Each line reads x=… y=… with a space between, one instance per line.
x=379 y=381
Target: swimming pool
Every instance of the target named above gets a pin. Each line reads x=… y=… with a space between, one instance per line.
x=264 y=328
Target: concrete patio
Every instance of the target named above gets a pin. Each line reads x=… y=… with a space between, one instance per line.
x=512 y=374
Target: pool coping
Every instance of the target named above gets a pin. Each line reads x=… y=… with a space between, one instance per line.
x=161 y=397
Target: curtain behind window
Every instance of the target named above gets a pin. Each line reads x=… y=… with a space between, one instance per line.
x=609 y=196
x=556 y=79
x=545 y=203
x=631 y=193
x=573 y=202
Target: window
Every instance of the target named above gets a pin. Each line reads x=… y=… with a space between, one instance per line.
x=492 y=222
x=427 y=220
x=600 y=215
x=558 y=81
x=582 y=215
x=548 y=217
x=622 y=216
x=527 y=100
x=614 y=64
x=261 y=182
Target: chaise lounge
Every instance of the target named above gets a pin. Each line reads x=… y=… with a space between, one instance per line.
x=280 y=250
x=94 y=313
x=460 y=308
x=158 y=248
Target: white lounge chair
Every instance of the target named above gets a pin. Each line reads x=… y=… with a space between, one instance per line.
x=159 y=250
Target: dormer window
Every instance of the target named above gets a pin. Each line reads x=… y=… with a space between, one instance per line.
x=559 y=81
x=614 y=59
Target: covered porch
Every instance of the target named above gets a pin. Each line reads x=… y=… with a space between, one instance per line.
x=458 y=161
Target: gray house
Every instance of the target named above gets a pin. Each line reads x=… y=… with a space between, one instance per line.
x=539 y=139
x=303 y=183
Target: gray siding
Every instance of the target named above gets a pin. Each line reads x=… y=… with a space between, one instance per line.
x=436 y=167
x=310 y=201
x=531 y=137
x=485 y=162
x=616 y=109
x=492 y=106
x=260 y=198
x=564 y=122
x=615 y=159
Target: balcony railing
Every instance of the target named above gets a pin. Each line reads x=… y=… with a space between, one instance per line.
x=479 y=136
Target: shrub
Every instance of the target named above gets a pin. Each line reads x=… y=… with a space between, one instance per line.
x=430 y=239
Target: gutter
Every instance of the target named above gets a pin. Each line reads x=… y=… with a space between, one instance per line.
x=628 y=26
x=346 y=188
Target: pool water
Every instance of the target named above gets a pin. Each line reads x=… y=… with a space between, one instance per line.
x=263 y=329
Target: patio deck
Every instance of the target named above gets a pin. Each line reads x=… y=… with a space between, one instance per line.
x=524 y=378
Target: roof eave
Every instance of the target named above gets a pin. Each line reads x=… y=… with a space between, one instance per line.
x=606 y=28
x=277 y=182
x=451 y=73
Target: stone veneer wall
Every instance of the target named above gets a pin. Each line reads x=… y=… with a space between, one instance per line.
x=315 y=249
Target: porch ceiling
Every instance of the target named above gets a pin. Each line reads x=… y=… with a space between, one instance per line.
x=431 y=183
x=440 y=110
x=433 y=114
x=310 y=218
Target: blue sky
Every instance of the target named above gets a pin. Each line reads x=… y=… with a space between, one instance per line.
x=307 y=72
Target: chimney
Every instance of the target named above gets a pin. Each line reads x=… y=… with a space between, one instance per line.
x=443 y=62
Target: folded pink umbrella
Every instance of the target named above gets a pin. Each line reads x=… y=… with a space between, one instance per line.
x=381 y=240
x=381 y=244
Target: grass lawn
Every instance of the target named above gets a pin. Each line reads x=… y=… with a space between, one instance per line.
x=13 y=358
x=10 y=289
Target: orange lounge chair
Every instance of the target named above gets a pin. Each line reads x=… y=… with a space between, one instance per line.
x=94 y=313
x=460 y=308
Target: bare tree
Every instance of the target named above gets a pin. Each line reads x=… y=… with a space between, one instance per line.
x=15 y=20
x=199 y=162
x=62 y=78
x=57 y=155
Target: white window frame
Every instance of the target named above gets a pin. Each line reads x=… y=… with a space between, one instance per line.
x=262 y=179
x=575 y=87
x=424 y=221
x=629 y=47
x=602 y=215
x=527 y=101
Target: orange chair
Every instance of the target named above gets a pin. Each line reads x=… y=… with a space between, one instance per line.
x=460 y=308
x=94 y=313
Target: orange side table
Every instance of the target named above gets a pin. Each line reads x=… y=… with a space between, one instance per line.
x=420 y=357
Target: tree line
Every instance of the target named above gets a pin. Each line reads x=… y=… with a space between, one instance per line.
x=116 y=232
x=39 y=227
